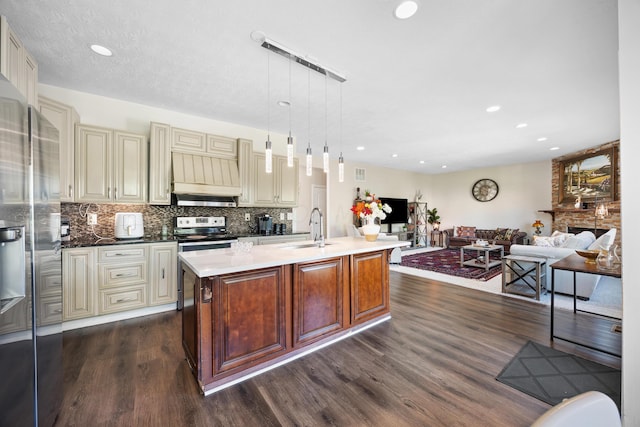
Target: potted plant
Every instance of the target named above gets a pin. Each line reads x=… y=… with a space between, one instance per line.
x=433 y=218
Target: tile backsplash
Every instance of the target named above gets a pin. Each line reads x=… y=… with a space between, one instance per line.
x=156 y=216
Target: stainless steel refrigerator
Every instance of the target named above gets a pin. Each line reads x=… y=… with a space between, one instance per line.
x=30 y=265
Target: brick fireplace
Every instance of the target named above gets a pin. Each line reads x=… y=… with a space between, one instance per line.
x=564 y=214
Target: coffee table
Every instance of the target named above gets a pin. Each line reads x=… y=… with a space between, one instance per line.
x=481 y=260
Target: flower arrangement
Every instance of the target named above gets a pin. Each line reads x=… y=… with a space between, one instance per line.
x=369 y=211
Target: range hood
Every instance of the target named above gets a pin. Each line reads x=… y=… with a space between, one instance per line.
x=203 y=200
x=202 y=177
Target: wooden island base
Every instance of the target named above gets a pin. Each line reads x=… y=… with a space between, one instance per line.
x=241 y=323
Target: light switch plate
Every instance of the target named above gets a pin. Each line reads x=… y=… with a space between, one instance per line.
x=289 y=216
x=247 y=217
x=281 y=216
x=92 y=219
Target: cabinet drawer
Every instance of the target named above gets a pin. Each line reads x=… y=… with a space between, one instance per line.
x=187 y=140
x=121 y=253
x=222 y=146
x=111 y=275
x=50 y=310
x=121 y=299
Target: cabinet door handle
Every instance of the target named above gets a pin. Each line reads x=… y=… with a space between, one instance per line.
x=163 y=273
x=125 y=299
x=108 y=192
x=115 y=193
x=125 y=274
x=206 y=291
x=70 y=193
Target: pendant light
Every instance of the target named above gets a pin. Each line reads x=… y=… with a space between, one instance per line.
x=340 y=159
x=325 y=152
x=268 y=155
x=290 y=139
x=309 y=158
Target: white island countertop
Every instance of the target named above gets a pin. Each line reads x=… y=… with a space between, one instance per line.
x=214 y=262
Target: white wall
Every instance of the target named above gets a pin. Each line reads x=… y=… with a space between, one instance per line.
x=383 y=182
x=124 y=115
x=629 y=62
x=523 y=190
x=305 y=203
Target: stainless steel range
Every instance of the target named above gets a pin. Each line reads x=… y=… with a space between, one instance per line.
x=197 y=233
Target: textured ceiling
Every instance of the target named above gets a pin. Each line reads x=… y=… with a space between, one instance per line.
x=418 y=88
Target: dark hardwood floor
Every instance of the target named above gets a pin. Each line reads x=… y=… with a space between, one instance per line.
x=433 y=364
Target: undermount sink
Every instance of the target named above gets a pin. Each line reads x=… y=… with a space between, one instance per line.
x=304 y=245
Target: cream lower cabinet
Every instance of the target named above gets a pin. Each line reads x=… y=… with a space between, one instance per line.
x=111 y=165
x=278 y=188
x=79 y=283
x=163 y=273
x=64 y=118
x=111 y=279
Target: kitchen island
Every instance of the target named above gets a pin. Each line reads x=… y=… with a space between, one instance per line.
x=247 y=312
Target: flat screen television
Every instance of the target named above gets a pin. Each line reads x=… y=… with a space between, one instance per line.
x=399 y=211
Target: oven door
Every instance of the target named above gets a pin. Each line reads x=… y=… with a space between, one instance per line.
x=196 y=246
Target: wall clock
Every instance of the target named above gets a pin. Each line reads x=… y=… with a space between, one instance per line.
x=485 y=190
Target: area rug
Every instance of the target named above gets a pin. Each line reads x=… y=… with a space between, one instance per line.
x=551 y=375
x=447 y=261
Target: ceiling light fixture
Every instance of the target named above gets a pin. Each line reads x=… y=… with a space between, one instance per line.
x=360 y=148
x=554 y=148
x=521 y=125
x=394 y=155
x=309 y=163
x=305 y=61
x=268 y=155
x=444 y=166
x=289 y=138
x=405 y=9
x=340 y=159
x=541 y=139
x=101 y=50
x=422 y=162
x=325 y=151
x=493 y=109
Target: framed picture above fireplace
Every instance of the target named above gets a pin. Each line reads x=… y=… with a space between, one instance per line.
x=590 y=176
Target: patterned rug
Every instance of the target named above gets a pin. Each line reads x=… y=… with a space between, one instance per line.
x=447 y=261
x=551 y=375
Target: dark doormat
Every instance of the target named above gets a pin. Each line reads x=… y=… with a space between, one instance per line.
x=551 y=375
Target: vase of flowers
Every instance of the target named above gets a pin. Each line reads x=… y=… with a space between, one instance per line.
x=369 y=212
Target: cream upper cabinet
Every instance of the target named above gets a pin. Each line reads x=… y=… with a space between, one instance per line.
x=278 y=188
x=245 y=159
x=286 y=181
x=222 y=146
x=111 y=165
x=163 y=273
x=64 y=118
x=188 y=141
x=160 y=164
x=79 y=283
x=16 y=64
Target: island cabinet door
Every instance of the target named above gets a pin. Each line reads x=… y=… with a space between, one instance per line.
x=250 y=318
x=318 y=289
x=369 y=286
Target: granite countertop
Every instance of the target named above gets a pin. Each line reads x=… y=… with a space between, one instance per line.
x=157 y=238
x=214 y=262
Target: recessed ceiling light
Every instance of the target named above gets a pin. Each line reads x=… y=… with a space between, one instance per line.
x=544 y=138
x=521 y=125
x=360 y=148
x=284 y=103
x=394 y=155
x=493 y=109
x=406 y=9
x=444 y=166
x=422 y=162
x=554 y=148
x=101 y=50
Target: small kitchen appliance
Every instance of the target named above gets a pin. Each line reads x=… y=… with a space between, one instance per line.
x=129 y=225
x=265 y=224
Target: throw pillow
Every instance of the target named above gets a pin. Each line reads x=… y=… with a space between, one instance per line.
x=545 y=241
x=579 y=241
x=560 y=237
x=505 y=233
x=466 y=231
x=604 y=241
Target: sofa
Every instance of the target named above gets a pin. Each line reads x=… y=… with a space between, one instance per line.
x=560 y=245
x=464 y=235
